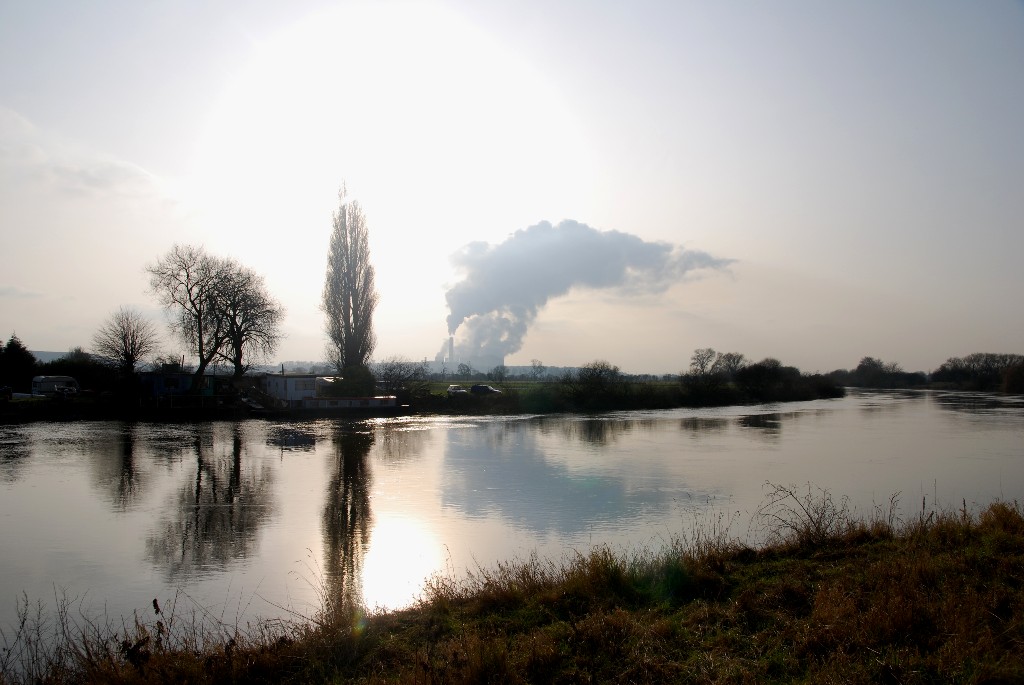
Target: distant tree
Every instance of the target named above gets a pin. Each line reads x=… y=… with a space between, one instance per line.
x=599 y=373
x=709 y=369
x=252 y=317
x=170 y=363
x=977 y=371
x=401 y=377
x=728 y=363
x=702 y=361
x=763 y=380
x=498 y=374
x=349 y=297
x=869 y=372
x=537 y=369
x=593 y=383
x=17 y=365
x=187 y=281
x=1013 y=378
x=464 y=370
x=91 y=372
x=77 y=355
x=124 y=339
x=875 y=373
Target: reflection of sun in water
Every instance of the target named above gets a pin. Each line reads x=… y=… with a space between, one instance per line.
x=444 y=136
x=402 y=555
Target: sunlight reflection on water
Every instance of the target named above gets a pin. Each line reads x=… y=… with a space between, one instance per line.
x=259 y=518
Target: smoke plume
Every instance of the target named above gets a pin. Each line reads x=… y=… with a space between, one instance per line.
x=507 y=285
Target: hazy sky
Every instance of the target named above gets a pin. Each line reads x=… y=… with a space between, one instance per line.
x=839 y=179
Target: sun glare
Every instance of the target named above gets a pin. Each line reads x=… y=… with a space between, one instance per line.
x=443 y=135
x=403 y=554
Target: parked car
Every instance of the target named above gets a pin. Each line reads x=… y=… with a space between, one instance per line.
x=454 y=390
x=480 y=389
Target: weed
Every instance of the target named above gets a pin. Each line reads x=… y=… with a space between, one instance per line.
x=789 y=517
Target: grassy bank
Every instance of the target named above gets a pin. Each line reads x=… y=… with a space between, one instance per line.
x=828 y=598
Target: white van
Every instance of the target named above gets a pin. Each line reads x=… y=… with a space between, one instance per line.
x=48 y=386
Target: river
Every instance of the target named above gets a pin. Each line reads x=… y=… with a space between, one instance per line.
x=250 y=519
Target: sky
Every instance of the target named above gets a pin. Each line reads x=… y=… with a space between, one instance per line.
x=561 y=180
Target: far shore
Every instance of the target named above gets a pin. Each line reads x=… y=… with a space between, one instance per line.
x=518 y=398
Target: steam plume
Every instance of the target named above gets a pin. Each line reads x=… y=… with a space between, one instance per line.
x=507 y=285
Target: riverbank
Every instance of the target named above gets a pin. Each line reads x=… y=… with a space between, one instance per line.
x=518 y=398
x=826 y=598
x=183 y=410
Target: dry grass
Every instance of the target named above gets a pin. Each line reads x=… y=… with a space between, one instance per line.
x=829 y=598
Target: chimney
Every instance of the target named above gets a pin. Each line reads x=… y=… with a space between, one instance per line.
x=451 y=348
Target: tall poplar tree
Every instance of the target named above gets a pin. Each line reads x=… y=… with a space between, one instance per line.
x=350 y=296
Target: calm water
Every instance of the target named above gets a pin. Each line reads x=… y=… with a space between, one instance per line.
x=256 y=518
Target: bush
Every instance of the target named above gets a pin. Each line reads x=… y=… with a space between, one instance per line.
x=356 y=381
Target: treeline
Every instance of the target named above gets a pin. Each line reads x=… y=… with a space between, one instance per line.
x=875 y=373
x=981 y=371
x=729 y=378
x=713 y=379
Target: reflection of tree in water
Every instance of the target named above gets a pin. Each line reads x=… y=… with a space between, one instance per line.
x=767 y=426
x=699 y=426
x=218 y=513
x=115 y=466
x=602 y=431
x=979 y=403
x=14 y=449
x=398 y=443
x=347 y=517
x=881 y=402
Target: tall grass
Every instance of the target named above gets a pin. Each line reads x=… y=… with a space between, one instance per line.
x=829 y=597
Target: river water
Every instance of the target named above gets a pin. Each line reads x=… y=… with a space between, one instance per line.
x=261 y=518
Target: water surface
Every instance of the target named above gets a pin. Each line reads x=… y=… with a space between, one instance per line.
x=259 y=518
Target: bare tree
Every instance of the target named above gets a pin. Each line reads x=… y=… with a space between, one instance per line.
x=498 y=374
x=186 y=280
x=706 y=373
x=702 y=361
x=252 y=317
x=219 y=308
x=729 y=363
x=125 y=338
x=400 y=376
x=537 y=369
x=594 y=381
x=349 y=297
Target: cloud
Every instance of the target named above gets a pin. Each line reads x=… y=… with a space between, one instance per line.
x=506 y=285
x=28 y=154
x=14 y=292
x=99 y=175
